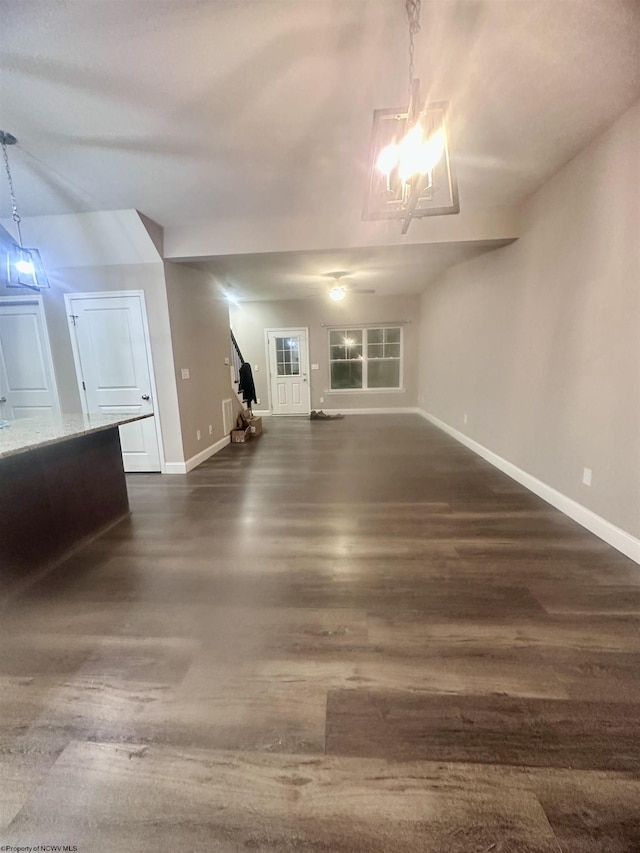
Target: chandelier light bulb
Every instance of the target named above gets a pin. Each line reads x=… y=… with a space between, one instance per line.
x=411 y=154
x=387 y=159
x=432 y=152
x=337 y=293
x=25 y=267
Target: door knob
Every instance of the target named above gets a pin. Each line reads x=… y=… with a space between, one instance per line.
x=145 y=396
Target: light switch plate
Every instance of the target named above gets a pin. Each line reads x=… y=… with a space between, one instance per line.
x=185 y=373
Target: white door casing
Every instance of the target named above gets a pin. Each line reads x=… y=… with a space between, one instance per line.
x=288 y=360
x=112 y=355
x=27 y=378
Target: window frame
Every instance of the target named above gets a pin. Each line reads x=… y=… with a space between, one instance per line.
x=365 y=329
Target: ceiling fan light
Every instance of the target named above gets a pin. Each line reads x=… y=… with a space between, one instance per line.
x=337 y=293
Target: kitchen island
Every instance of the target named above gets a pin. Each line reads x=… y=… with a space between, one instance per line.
x=61 y=484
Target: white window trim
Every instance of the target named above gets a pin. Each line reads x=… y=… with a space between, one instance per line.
x=366 y=328
x=365 y=391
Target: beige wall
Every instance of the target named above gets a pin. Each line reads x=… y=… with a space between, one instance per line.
x=201 y=342
x=250 y=319
x=539 y=342
x=345 y=229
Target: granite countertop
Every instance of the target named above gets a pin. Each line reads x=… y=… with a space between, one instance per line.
x=26 y=434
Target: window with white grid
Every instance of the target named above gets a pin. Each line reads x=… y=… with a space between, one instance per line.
x=365 y=358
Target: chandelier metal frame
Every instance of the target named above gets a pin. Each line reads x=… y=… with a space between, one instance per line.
x=420 y=129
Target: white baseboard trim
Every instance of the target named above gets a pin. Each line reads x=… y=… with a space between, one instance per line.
x=175 y=468
x=616 y=537
x=265 y=413
x=380 y=411
x=198 y=459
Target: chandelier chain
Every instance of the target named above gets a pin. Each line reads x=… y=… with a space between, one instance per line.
x=413 y=16
x=14 y=203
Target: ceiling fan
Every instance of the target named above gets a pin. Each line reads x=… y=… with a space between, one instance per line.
x=340 y=288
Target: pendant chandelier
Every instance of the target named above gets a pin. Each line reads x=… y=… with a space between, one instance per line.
x=24 y=266
x=410 y=174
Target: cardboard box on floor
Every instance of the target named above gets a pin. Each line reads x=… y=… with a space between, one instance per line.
x=255 y=425
x=254 y=428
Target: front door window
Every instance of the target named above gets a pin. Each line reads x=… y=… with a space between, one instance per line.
x=288 y=356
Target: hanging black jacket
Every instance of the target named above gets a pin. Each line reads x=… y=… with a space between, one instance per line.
x=245 y=385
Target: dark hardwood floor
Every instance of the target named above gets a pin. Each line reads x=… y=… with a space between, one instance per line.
x=344 y=637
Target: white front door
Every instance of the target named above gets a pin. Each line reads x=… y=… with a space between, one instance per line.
x=113 y=364
x=288 y=371
x=27 y=380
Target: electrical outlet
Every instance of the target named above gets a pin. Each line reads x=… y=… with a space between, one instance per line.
x=465 y=417
x=210 y=429
x=256 y=367
x=322 y=399
x=198 y=436
x=586 y=476
x=185 y=373
x=226 y=361
x=257 y=401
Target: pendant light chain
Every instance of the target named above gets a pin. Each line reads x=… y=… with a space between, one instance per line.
x=413 y=16
x=14 y=203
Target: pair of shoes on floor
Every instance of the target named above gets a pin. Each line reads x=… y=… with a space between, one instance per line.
x=322 y=416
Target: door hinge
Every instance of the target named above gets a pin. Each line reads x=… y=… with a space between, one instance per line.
x=84 y=387
x=74 y=317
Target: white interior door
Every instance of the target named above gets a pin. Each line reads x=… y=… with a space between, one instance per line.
x=114 y=369
x=27 y=380
x=289 y=371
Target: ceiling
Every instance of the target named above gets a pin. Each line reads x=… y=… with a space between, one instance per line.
x=298 y=275
x=235 y=111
